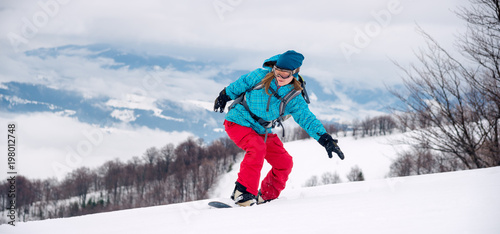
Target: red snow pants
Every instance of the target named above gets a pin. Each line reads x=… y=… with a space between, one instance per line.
x=256 y=151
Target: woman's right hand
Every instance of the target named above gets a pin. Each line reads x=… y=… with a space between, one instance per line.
x=220 y=101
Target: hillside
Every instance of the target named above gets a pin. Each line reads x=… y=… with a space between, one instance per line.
x=373 y=155
x=456 y=202
x=134 y=190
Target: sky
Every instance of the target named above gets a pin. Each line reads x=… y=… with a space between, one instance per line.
x=344 y=42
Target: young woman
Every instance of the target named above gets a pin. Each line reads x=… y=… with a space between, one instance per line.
x=248 y=122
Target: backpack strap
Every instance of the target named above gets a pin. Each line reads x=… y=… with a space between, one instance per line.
x=304 y=91
x=242 y=98
x=276 y=95
x=286 y=99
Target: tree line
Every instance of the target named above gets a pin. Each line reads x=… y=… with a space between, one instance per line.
x=161 y=176
x=370 y=126
x=356 y=174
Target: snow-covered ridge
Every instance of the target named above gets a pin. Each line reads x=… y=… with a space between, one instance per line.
x=455 y=202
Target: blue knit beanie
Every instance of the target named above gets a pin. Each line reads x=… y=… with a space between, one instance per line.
x=290 y=60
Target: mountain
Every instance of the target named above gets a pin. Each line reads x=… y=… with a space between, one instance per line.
x=171 y=116
x=455 y=202
x=99 y=95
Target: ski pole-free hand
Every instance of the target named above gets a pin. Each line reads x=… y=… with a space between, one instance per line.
x=330 y=145
x=220 y=101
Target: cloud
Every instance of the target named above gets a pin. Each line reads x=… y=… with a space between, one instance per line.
x=124 y=115
x=92 y=78
x=50 y=145
x=247 y=32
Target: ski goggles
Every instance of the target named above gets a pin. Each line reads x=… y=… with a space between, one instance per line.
x=283 y=73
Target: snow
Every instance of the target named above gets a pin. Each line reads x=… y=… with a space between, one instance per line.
x=372 y=154
x=455 y=202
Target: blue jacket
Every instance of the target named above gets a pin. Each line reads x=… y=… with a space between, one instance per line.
x=257 y=101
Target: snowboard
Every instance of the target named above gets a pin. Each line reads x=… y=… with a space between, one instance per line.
x=218 y=204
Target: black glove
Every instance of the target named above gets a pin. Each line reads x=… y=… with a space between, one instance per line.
x=221 y=100
x=330 y=145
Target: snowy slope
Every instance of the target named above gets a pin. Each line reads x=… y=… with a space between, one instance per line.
x=456 y=202
x=373 y=155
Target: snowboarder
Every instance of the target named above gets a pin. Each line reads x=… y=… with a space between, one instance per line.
x=255 y=111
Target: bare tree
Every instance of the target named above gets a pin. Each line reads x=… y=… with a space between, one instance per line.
x=457 y=104
x=420 y=160
x=386 y=124
x=356 y=126
x=24 y=197
x=343 y=128
x=113 y=173
x=330 y=178
x=81 y=182
x=151 y=157
x=167 y=156
x=312 y=182
x=481 y=44
x=367 y=127
x=331 y=128
x=356 y=174
x=402 y=165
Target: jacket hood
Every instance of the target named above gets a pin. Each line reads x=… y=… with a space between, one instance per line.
x=270 y=62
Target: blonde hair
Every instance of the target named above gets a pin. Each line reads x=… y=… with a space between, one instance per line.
x=269 y=78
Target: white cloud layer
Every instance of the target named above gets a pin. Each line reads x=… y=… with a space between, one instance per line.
x=50 y=145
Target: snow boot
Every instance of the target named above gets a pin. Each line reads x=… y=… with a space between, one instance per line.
x=241 y=196
x=261 y=200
